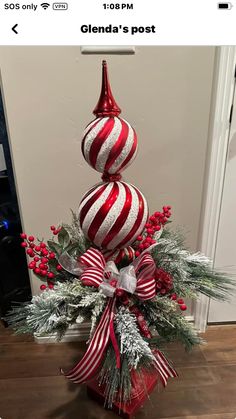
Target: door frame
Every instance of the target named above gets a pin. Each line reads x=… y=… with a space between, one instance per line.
x=218 y=137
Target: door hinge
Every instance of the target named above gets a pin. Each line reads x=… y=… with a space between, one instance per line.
x=231 y=114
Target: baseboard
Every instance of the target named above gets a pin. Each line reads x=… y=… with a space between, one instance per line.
x=76 y=333
x=190 y=318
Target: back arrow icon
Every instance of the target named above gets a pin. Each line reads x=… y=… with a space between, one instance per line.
x=14 y=28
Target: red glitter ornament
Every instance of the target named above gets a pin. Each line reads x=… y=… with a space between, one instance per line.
x=112 y=215
x=109 y=143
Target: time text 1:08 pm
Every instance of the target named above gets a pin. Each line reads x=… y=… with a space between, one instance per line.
x=118 y=6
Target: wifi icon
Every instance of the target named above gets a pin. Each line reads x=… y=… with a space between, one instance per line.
x=45 y=5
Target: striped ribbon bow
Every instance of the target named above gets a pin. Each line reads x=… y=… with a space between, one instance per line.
x=137 y=278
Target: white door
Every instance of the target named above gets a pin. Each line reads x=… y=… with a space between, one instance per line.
x=225 y=257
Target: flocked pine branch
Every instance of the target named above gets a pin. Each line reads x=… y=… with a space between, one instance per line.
x=131 y=342
x=163 y=314
x=135 y=354
x=192 y=273
x=54 y=310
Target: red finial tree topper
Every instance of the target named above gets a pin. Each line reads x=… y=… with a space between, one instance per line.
x=106 y=105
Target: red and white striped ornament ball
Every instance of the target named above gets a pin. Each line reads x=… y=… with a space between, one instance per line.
x=109 y=144
x=113 y=214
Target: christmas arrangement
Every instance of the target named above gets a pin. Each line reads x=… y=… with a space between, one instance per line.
x=121 y=268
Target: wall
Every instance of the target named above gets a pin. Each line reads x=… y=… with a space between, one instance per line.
x=50 y=92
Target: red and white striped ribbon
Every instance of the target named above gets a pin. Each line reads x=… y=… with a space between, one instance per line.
x=163 y=366
x=94 y=266
x=94 y=270
x=87 y=367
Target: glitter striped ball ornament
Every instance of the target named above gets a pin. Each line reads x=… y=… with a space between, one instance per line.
x=113 y=214
x=109 y=144
x=117 y=255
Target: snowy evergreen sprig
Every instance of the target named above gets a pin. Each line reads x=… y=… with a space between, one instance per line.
x=131 y=342
x=96 y=302
x=192 y=273
x=169 y=324
x=55 y=310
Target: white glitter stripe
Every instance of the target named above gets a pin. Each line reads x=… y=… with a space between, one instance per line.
x=82 y=204
x=142 y=224
x=131 y=160
x=111 y=216
x=95 y=208
x=129 y=221
x=90 y=125
x=124 y=152
x=90 y=137
x=107 y=145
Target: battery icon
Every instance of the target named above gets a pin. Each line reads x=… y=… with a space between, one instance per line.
x=225 y=6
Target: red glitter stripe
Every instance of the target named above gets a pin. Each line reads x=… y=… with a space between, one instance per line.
x=118 y=146
x=121 y=219
x=96 y=121
x=88 y=193
x=137 y=224
x=103 y=211
x=120 y=256
x=91 y=201
x=131 y=153
x=99 y=140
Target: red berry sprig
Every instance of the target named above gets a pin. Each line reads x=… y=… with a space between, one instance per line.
x=154 y=224
x=164 y=284
x=41 y=255
x=55 y=230
x=164 y=281
x=180 y=301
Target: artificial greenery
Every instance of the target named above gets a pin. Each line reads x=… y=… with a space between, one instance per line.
x=66 y=301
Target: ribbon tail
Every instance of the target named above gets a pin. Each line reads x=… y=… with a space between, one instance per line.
x=163 y=367
x=89 y=364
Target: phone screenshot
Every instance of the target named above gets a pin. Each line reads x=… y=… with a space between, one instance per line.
x=117 y=209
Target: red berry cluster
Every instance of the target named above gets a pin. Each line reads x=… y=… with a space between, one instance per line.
x=164 y=284
x=155 y=222
x=180 y=301
x=41 y=254
x=55 y=230
x=164 y=281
